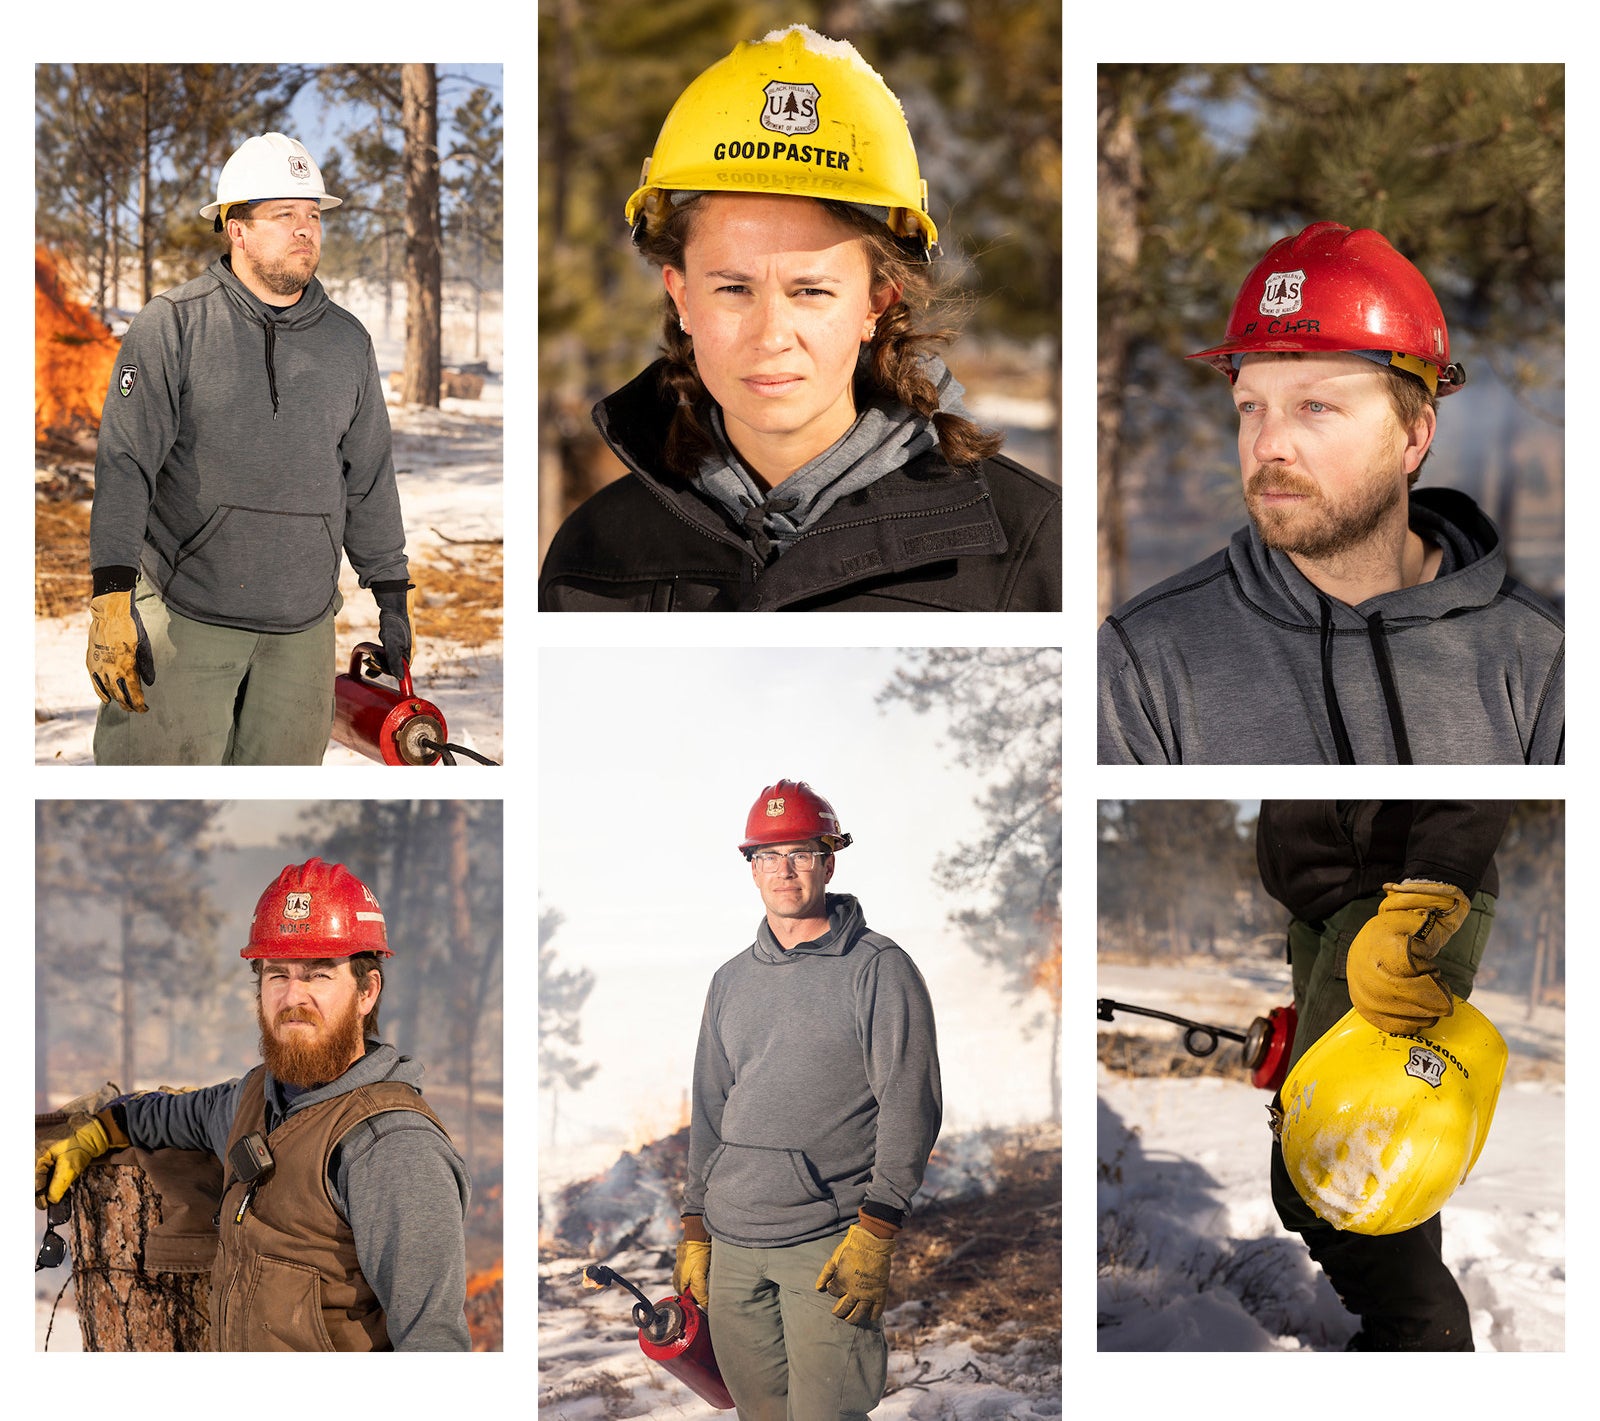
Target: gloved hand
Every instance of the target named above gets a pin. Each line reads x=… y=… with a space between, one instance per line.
x=119 y=651
x=394 y=601
x=62 y=1161
x=858 y=1275
x=1391 y=974
x=691 y=1272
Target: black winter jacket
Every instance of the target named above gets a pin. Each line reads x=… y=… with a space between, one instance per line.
x=924 y=537
x=1317 y=855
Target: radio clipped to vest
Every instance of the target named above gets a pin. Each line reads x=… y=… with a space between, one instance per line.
x=251 y=1162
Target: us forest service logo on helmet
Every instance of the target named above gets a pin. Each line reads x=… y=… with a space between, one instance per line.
x=297 y=906
x=299 y=169
x=1425 y=1066
x=775 y=809
x=126 y=377
x=1282 y=294
x=790 y=108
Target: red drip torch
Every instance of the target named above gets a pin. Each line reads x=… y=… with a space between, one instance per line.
x=1266 y=1043
x=674 y=1333
x=394 y=726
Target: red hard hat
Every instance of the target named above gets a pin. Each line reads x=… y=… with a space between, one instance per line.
x=788 y=812
x=317 y=909
x=1328 y=288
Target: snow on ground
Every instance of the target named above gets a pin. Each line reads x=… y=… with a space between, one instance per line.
x=590 y=1365
x=449 y=466
x=1192 y=1255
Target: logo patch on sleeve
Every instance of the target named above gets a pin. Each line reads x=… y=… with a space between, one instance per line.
x=126 y=378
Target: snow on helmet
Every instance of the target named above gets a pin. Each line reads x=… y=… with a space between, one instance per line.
x=796 y=114
x=266 y=166
x=1378 y=1131
x=316 y=909
x=1330 y=289
x=788 y=812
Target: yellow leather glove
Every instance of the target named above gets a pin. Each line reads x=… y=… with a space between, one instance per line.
x=61 y=1161
x=1391 y=974
x=691 y=1272
x=858 y=1275
x=119 y=651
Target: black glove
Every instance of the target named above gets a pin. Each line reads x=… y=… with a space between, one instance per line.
x=394 y=624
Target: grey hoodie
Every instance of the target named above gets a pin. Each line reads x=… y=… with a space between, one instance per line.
x=1241 y=660
x=241 y=448
x=816 y=1085
x=398 y=1182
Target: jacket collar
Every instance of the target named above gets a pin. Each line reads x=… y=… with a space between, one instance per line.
x=922 y=513
x=308 y=309
x=1270 y=580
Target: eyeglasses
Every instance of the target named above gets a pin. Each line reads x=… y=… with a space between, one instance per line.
x=53 y=1248
x=803 y=860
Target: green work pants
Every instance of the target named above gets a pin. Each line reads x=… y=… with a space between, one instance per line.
x=783 y=1354
x=223 y=696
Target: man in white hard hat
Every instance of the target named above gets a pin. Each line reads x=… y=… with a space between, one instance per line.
x=244 y=446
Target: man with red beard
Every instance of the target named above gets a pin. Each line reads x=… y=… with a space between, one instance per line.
x=343 y=1201
x=1356 y=621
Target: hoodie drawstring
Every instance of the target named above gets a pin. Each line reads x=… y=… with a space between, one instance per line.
x=1391 y=696
x=272 y=371
x=1341 y=738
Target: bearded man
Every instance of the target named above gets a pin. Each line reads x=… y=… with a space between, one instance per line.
x=1356 y=621
x=243 y=446
x=343 y=1208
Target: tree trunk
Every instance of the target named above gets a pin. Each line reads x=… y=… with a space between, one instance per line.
x=121 y=1307
x=129 y=967
x=146 y=220
x=420 y=101
x=1121 y=177
x=466 y=1023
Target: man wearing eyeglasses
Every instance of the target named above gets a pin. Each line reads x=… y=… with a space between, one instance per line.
x=816 y=1105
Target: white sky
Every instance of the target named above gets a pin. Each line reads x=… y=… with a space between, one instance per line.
x=649 y=762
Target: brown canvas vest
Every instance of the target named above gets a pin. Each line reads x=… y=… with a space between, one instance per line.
x=286 y=1277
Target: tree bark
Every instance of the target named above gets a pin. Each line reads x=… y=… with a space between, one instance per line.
x=420 y=107
x=1121 y=177
x=121 y=1307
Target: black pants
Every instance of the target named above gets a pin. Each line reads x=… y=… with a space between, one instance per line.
x=1397 y=1284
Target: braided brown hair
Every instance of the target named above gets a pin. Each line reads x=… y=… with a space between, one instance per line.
x=895 y=367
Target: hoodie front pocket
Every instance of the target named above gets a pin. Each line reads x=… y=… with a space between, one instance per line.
x=761 y=1194
x=258 y=567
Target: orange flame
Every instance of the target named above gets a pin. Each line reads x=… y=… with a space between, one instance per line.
x=73 y=356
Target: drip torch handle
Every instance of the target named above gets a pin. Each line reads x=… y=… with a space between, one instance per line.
x=366 y=660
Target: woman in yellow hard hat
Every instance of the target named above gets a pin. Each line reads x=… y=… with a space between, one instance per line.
x=800 y=445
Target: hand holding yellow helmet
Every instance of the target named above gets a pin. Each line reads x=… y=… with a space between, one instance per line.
x=1377 y=1130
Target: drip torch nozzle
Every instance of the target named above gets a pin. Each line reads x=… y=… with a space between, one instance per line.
x=598 y=1276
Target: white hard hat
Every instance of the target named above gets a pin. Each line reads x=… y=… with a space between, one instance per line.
x=269 y=165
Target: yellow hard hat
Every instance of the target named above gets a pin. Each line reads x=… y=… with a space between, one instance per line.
x=1378 y=1130
x=795 y=114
